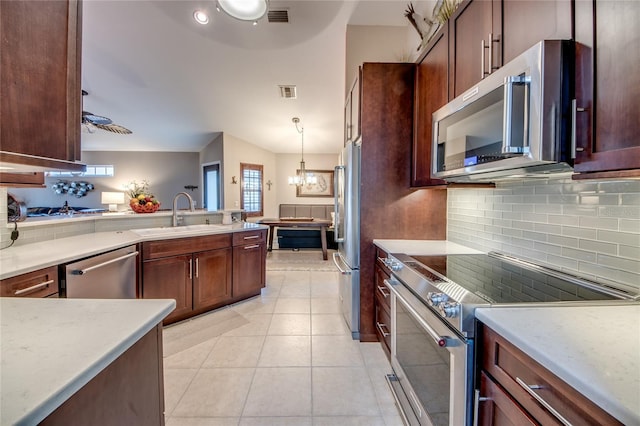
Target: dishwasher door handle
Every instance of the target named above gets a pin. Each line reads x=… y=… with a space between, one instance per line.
x=100 y=265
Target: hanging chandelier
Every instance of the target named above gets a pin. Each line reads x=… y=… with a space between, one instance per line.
x=301 y=178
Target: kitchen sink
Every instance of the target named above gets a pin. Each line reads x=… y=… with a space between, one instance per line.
x=169 y=231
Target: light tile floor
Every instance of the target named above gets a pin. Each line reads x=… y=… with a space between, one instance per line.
x=283 y=358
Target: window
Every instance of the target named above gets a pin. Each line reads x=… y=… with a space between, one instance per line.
x=251 y=189
x=91 y=171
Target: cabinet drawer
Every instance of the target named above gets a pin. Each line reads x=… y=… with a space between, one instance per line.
x=514 y=371
x=499 y=408
x=41 y=283
x=178 y=246
x=250 y=237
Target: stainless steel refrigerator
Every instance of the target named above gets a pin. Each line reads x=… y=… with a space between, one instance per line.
x=347 y=233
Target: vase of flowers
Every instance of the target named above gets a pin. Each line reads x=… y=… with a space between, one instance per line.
x=141 y=200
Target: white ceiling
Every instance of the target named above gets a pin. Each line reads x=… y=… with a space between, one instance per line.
x=149 y=67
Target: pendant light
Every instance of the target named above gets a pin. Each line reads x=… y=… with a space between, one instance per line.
x=301 y=178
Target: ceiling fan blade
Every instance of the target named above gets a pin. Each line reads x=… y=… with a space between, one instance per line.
x=95 y=119
x=115 y=128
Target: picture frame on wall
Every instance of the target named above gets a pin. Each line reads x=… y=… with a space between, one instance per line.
x=323 y=187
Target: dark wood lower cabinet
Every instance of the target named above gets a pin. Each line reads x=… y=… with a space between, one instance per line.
x=204 y=273
x=212 y=278
x=249 y=269
x=40 y=283
x=498 y=408
x=169 y=278
x=506 y=371
x=130 y=391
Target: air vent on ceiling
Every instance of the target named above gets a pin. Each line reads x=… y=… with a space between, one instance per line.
x=278 y=16
x=288 y=92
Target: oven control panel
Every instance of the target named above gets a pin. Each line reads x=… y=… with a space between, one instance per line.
x=449 y=309
x=440 y=301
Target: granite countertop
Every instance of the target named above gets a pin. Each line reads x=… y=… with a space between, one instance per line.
x=30 y=257
x=423 y=247
x=595 y=349
x=53 y=347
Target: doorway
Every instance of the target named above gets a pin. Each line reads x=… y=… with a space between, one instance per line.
x=212 y=190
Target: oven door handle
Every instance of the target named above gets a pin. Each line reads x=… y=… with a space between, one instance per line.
x=441 y=341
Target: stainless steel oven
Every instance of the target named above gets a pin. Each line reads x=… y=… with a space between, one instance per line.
x=431 y=363
x=433 y=322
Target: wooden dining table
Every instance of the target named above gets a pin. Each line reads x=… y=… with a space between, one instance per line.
x=321 y=224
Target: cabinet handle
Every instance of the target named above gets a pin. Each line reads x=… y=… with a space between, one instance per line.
x=381 y=290
x=380 y=325
x=491 y=41
x=190 y=268
x=252 y=237
x=476 y=402
x=33 y=288
x=251 y=247
x=530 y=390
x=197 y=267
x=574 y=115
x=100 y=265
x=483 y=73
x=489 y=46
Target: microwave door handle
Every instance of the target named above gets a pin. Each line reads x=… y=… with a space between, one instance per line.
x=336 y=202
x=509 y=82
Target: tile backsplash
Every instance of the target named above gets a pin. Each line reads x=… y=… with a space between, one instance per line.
x=589 y=228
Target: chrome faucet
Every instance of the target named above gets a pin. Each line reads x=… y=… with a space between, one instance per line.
x=175 y=206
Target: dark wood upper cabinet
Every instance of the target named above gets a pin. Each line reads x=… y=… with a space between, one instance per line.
x=607 y=89
x=525 y=23
x=40 y=94
x=431 y=93
x=469 y=28
x=486 y=34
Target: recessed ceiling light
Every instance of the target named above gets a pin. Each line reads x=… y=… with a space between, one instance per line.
x=201 y=17
x=244 y=10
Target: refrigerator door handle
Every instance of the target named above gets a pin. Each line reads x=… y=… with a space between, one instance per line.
x=336 y=202
x=335 y=262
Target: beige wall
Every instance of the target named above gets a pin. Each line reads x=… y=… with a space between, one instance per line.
x=238 y=151
x=367 y=43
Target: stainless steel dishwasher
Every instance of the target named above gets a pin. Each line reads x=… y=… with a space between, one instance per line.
x=110 y=275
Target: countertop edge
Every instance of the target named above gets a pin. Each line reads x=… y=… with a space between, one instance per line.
x=599 y=397
x=423 y=247
x=48 y=406
x=125 y=238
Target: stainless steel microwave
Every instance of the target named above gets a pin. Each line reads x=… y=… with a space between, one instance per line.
x=517 y=122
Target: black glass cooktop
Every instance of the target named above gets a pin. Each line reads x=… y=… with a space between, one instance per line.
x=499 y=280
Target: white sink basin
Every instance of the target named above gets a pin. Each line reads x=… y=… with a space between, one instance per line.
x=181 y=230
